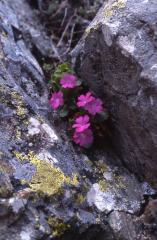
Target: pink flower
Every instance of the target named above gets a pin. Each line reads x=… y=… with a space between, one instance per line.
x=84 y=139
x=95 y=106
x=56 y=100
x=83 y=100
x=81 y=123
x=68 y=81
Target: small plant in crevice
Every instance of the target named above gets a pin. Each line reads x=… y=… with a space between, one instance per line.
x=77 y=104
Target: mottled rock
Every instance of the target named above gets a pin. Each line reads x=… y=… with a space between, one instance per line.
x=117 y=59
x=6 y=188
x=49 y=184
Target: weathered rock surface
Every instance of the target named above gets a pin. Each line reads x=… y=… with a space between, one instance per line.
x=117 y=58
x=49 y=189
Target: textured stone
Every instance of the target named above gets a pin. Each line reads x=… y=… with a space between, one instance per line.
x=117 y=59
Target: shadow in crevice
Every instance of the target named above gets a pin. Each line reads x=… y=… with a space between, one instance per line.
x=93 y=233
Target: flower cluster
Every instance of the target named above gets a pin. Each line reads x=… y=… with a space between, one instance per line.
x=83 y=134
x=80 y=108
x=91 y=104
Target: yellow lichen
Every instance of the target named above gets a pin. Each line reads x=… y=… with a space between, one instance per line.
x=80 y=198
x=20 y=156
x=18 y=133
x=40 y=119
x=119 y=181
x=23 y=181
x=117 y=4
x=47 y=179
x=20 y=109
x=3 y=91
x=103 y=185
x=102 y=167
x=4 y=34
x=89 y=30
x=58 y=226
x=108 y=12
x=5 y=168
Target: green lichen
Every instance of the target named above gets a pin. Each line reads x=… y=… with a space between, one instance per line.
x=47 y=179
x=58 y=226
x=116 y=5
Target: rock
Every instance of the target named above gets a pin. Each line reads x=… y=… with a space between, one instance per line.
x=52 y=189
x=150 y=212
x=35 y=34
x=117 y=59
x=6 y=188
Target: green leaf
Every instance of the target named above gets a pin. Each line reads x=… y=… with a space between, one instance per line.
x=73 y=107
x=104 y=115
x=79 y=82
x=63 y=112
x=59 y=72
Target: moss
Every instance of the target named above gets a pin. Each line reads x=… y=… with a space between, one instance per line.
x=103 y=185
x=47 y=179
x=117 y=4
x=58 y=226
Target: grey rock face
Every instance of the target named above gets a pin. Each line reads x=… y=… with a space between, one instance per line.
x=48 y=189
x=117 y=58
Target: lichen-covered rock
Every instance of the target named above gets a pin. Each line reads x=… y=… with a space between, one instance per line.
x=48 y=189
x=117 y=58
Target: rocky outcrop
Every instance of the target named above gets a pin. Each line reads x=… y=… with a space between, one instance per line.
x=117 y=58
x=49 y=189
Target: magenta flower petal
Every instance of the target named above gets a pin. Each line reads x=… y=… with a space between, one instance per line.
x=82 y=119
x=95 y=106
x=68 y=81
x=80 y=128
x=56 y=100
x=84 y=99
x=84 y=139
x=81 y=123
